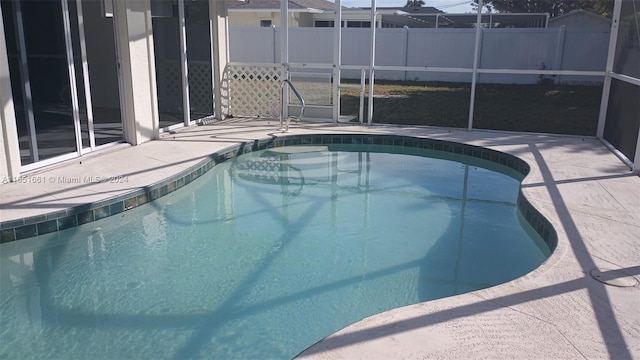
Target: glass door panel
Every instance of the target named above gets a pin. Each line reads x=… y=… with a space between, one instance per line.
x=166 y=42
x=49 y=77
x=103 y=73
x=199 y=59
x=79 y=77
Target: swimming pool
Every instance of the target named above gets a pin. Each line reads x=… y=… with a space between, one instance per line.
x=267 y=253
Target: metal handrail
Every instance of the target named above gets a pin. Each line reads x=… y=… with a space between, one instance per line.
x=295 y=91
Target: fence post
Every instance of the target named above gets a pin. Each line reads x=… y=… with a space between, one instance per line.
x=372 y=61
x=337 y=60
x=273 y=44
x=184 y=65
x=559 y=51
x=476 y=62
x=284 y=54
x=606 y=86
x=406 y=50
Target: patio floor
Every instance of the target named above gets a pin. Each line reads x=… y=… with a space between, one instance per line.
x=557 y=311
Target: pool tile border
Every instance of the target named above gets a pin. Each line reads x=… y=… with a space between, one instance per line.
x=60 y=220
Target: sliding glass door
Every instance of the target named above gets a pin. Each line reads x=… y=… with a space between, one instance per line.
x=50 y=80
x=182 y=50
x=199 y=67
x=167 y=50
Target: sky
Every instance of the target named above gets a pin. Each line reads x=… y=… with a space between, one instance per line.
x=449 y=6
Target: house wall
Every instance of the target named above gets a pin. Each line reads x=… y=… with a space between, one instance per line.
x=296 y=19
x=579 y=20
x=137 y=69
x=347 y=17
x=219 y=54
x=251 y=19
x=302 y=19
x=9 y=149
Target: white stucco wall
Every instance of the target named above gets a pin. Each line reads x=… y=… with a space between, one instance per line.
x=137 y=67
x=9 y=149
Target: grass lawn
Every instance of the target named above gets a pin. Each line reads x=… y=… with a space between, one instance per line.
x=558 y=109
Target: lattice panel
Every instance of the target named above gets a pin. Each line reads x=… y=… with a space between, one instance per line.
x=253 y=90
x=200 y=88
x=173 y=78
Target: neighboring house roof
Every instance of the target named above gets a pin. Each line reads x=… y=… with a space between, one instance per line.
x=256 y=5
x=576 y=17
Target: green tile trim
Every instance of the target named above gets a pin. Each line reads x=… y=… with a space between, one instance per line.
x=37 y=225
x=7 y=235
x=26 y=231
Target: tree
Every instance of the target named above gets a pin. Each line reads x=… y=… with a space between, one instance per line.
x=414 y=3
x=553 y=7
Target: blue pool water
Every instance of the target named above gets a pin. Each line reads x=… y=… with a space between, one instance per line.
x=263 y=256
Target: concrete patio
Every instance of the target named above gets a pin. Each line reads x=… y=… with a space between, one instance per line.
x=558 y=311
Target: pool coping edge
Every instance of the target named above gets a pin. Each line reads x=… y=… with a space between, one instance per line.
x=19 y=229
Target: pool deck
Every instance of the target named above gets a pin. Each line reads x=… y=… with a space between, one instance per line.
x=558 y=311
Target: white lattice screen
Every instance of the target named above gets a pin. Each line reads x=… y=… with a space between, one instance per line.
x=247 y=90
x=253 y=90
x=169 y=86
x=200 y=89
x=173 y=78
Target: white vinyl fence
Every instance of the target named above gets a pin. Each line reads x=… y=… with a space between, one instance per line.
x=582 y=49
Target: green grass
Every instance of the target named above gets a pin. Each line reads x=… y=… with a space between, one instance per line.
x=558 y=109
